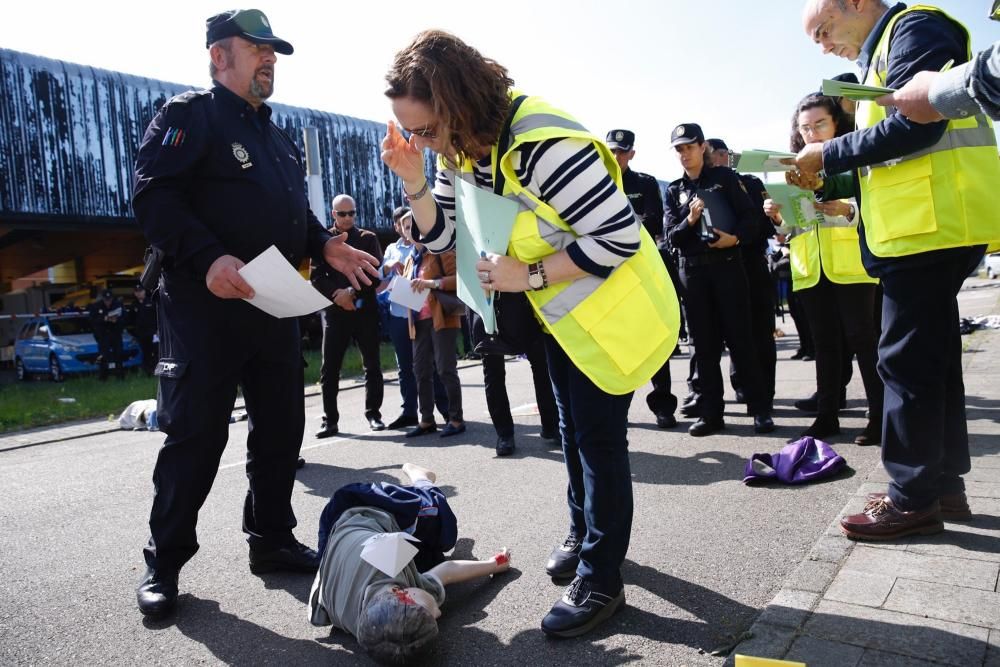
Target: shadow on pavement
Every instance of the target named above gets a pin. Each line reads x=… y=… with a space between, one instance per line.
x=235 y=641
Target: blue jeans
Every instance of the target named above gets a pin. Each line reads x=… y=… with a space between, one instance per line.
x=594 y=429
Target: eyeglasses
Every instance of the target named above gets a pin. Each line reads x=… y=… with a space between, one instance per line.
x=346 y=214
x=425 y=133
x=812 y=129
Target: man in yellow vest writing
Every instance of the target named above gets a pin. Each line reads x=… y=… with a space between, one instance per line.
x=927 y=214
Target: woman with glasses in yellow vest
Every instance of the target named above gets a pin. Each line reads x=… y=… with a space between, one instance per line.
x=836 y=292
x=591 y=273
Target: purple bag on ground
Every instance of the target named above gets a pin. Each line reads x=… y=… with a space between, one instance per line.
x=802 y=461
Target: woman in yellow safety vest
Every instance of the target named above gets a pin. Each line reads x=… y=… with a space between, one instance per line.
x=592 y=275
x=836 y=293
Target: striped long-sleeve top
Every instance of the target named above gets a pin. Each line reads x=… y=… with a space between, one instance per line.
x=568 y=175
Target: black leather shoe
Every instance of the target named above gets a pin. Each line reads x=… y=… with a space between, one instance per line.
x=295 y=557
x=822 y=428
x=301 y=463
x=811 y=405
x=550 y=437
x=450 y=429
x=376 y=424
x=564 y=559
x=664 y=420
x=763 y=423
x=505 y=446
x=704 y=427
x=421 y=430
x=583 y=607
x=157 y=593
x=327 y=431
x=403 y=421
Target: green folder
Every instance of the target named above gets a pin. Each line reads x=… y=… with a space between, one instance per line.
x=853 y=91
x=761 y=161
x=798 y=206
x=483 y=223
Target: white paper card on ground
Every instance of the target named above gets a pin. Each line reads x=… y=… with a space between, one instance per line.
x=483 y=223
x=401 y=292
x=389 y=552
x=278 y=288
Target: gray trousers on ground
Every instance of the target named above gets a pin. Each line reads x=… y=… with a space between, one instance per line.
x=436 y=348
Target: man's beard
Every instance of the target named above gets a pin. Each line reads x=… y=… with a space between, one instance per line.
x=261 y=89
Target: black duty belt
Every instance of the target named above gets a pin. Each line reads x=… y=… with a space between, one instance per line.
x=710 y=257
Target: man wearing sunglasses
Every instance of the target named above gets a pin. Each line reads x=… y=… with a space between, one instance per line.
x=353 y=316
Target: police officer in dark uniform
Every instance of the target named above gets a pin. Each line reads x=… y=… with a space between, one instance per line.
x=643 y=192
x=142 y=316
x=709 y=216
x=217 y=183
x=758 y=279
x=353 y=316
x=109 y=322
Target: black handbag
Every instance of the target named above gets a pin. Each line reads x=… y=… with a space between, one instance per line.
x=517 y=326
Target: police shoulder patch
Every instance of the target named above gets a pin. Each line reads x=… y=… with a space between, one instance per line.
x=187 y=96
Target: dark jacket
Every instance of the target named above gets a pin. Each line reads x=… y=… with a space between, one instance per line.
x=328 y=280
x=921 y=41
x=684 y=237
x=643 y=192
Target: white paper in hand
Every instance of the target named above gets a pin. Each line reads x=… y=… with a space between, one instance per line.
x=402 y=292
x=389 y=552
x=278 y=288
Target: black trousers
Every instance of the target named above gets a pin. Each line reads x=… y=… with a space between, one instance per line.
x=761 y=325
x=718 y=310
x=150 y=353
x=340 y=327
x=497 y=401
x=206 y=355
x=838 y=314
x=111 y=352
x=925 y=439
x=798 y=313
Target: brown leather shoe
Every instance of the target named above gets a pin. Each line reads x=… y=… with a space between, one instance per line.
x=954 y=507
x=881 y=520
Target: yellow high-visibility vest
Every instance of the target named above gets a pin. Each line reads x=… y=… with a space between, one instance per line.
x=617 y=330
x=832 y=250
x=939 y=197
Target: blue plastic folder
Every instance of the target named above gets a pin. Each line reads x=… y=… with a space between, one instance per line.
x=483 y=223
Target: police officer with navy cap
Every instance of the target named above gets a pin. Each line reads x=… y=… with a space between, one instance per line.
x=216 y=184
x=643 y=192
x=758 y=279
x=708 y=216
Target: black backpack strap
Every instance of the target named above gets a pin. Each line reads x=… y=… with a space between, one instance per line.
x=504 y=144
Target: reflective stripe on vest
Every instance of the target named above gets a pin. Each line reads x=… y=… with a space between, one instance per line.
x=937 y=197
x=618 y=330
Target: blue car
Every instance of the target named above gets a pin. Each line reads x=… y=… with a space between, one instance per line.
x=57 y=345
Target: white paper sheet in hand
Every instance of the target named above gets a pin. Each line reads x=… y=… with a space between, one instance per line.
x=389 y=552
x=401 y=292
x=278 y=288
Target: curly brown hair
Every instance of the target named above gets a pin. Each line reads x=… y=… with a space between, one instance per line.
x=841 y=119
x=468 y=92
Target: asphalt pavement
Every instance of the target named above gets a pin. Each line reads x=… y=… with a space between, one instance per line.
x=707 y=554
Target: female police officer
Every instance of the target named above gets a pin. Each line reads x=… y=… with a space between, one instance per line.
x=591 y=273
x=707 y=214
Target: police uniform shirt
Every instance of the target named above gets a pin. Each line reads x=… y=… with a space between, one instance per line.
x=214 y=177
x=643 y=192
x=328 y=280
x=99 y=312
x=684 y=237
x=757 y=242
x=143 y=315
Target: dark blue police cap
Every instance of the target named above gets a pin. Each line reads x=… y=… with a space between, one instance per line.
x=687 y=133
x=250 y=24
x=622 y=140
x=718 y=144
